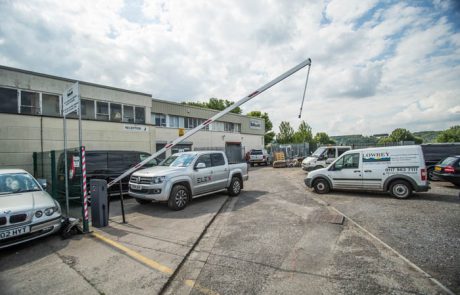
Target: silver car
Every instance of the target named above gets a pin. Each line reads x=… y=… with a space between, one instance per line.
x=27 y=211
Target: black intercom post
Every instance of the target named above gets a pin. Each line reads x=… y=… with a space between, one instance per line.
x=99 y=203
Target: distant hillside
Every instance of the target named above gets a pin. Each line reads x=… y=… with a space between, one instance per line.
x=427 y=136
x=358 y=139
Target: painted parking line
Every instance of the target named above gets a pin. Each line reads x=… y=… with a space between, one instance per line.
x=133 y=254
x=151 y=263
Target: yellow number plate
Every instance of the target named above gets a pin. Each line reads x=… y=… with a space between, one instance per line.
x=437 y=168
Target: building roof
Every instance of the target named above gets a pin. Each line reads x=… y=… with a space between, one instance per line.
x=71 y=80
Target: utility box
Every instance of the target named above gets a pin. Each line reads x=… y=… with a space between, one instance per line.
x=99 y=203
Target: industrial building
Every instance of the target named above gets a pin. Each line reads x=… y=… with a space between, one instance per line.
x=112 y=119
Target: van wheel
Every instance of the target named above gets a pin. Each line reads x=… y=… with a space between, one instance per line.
x=143 y=202
x=321 y=186
x=235 y=187
x=178 y=198
x=401 y=189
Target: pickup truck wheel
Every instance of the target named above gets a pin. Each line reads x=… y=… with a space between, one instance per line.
x=321 y=186
x=400 y=189
x=143 y=202
x=235 y=187
x=178 y=198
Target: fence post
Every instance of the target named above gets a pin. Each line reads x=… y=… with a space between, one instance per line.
x=34 y=157
x=53 y=174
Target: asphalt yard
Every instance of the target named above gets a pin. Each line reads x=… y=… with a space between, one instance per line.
x=276 y=237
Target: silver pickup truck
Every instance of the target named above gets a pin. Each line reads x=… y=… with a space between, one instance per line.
x=187 y=175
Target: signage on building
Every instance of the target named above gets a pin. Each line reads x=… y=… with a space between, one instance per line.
x=135 y=128
x=71 y=99
x=255 y=124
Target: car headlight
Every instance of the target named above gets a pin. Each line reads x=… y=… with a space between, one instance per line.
x=58 y=207
x=38 y=213
x=50 y=211
x=158 y=179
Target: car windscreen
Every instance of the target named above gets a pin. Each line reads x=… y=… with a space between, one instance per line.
x=183 y=160
x=12 y=183
x=256 y=152
x=448 y=161
x=318 y=152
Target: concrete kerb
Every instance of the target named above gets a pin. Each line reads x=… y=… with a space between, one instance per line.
x=197 y=241
x=172 y=273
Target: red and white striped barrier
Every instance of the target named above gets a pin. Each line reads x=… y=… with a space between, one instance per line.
x=85 y=193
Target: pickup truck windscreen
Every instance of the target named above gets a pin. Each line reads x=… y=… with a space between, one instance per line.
x=178 y=161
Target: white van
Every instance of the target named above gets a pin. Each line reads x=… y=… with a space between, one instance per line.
x=323 y=156
x=397 y=170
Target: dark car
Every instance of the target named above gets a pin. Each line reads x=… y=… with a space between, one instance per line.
x=435 y=152
x=101 y=164
x=449 y=170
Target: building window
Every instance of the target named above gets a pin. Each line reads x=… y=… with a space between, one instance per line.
x=51 y=105
x=115 y=112
x=140 y=115
x=173 y=121
x=87 y=109
x=128 y=114
x=237 y=127
x=8 y=100
x=159 y=119
x=217 y=126
x=30 y=103
x=102 y=111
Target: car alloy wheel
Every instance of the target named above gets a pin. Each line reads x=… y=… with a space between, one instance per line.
x=181 y=198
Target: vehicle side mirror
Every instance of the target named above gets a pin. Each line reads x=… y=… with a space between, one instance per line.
x=200 y=165
x=42 y=183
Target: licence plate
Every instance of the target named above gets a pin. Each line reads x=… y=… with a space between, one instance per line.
x=136 y=186
x=14 y=232
x=437 y=168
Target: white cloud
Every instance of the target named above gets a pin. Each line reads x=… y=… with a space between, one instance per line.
x=376 y=65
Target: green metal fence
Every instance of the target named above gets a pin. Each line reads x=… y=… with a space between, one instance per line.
x=50 y=165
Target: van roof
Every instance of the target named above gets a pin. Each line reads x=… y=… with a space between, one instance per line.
x=402 y=147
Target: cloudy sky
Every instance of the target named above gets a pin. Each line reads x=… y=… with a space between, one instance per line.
x=376 y=65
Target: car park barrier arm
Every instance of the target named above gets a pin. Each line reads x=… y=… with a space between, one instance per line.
x=214 y=118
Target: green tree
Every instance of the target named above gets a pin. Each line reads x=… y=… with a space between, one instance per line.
x=400 y=134
x=303 y=134
x=286 y=133
x=215 y=104
x=323 y=138
x=269 y=135
x=450 y=135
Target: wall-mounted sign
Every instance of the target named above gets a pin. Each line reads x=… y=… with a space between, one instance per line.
x=135 y=128
x=255 y=124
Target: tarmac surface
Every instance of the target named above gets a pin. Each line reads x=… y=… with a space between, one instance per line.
x=276 y=237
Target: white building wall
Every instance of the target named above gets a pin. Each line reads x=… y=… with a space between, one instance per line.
x=212 y=139
x=22 y=135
